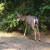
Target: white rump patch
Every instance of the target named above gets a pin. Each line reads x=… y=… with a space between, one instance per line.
x=35 y=20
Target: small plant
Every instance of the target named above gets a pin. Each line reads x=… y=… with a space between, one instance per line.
x=44 y=28
x=45 y=33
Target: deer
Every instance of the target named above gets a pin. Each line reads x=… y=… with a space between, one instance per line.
x=32 y=21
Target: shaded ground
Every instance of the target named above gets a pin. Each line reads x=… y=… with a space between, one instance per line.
x=18 y=42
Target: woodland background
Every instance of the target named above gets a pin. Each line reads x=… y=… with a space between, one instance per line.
x=38 y=8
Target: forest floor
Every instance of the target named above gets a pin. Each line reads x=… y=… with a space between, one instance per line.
x=16 y=41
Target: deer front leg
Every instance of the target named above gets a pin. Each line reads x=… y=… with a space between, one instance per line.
x=25 y=30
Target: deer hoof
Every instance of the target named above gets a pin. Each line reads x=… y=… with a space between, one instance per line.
x=24 y=34
x=39 y=40
x=35 y=40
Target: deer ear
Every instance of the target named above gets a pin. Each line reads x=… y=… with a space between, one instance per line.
x=18 y=14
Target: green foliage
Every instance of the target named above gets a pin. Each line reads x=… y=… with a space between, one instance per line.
x=44 y=27
x=1 y=8
x=38 y=8
x=9 y=22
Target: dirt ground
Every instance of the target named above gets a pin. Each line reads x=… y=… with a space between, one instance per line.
x=16 y=41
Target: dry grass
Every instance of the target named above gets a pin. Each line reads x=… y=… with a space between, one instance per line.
x=12 y=34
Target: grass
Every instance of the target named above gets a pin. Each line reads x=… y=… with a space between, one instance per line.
x=11 y=34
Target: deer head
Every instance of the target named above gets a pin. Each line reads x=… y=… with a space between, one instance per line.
x=18 y=16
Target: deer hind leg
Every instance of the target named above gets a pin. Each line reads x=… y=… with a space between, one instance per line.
x=34 y=31
x=38 y=31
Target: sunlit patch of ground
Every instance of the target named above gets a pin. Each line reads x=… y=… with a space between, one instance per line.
x=11 y=34
x=11 y=49
x=44 y=38
x=16 y=41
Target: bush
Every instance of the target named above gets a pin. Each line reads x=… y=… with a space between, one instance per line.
x=38 y=8
x=44 y=27
x=9 y=22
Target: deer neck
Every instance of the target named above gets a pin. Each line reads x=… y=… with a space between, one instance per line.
x=23 y=18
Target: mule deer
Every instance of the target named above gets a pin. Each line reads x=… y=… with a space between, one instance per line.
x=32 y=21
